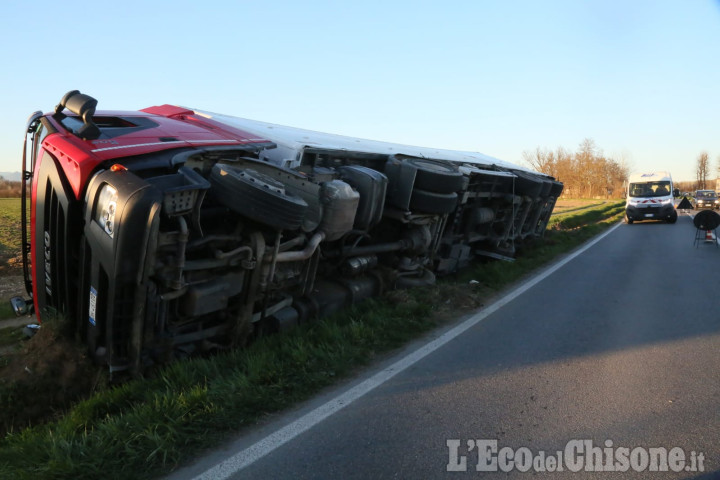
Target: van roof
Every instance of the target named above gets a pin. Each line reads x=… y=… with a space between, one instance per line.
x=649 y=177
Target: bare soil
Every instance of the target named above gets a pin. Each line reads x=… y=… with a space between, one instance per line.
x=40 y=377
x=43 y=377
x=12 y=285
x=10 y=262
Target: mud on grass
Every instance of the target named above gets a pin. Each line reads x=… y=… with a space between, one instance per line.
x=44 y=376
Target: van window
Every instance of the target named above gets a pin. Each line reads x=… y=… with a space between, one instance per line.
x=650 y=189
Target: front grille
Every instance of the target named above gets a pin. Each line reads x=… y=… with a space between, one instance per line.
x=52 y=250
x=55 y=261
x=655 y=211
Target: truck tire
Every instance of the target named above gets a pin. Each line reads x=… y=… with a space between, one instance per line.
x=431 y=202
x=527 y=184
x=673 y=218
x=257 y=196
x=436 y=176
x=556 y=189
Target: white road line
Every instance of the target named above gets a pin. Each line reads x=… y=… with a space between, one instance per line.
x=248 y=456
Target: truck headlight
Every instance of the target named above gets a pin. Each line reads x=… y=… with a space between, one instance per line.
x=105 y=211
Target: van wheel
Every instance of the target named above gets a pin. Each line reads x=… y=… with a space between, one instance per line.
x=628 y=220
x=673 y=218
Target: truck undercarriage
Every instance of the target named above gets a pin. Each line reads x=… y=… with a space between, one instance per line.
x=154 y=242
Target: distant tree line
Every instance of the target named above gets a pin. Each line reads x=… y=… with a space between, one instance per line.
x=687 y=186
x=8 y=188
x=586 y=173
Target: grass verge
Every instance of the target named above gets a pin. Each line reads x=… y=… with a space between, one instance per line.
x=150 y=426
x=10 y=336
x=6 y=310
x=574 y=205
x=10 y=240
x=587 y=216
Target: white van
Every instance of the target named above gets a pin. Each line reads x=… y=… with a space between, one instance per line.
x=650 y=197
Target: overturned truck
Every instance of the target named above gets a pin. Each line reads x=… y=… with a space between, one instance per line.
x=173 y=229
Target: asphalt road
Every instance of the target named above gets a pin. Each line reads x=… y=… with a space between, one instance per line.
x=619 y=347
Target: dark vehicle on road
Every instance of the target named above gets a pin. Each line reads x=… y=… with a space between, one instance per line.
x=706 y=199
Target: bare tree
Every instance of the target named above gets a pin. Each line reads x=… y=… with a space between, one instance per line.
x=703 y=170
x=542 y=160
x=9 y=188
x=585 y=173
x=587 y=166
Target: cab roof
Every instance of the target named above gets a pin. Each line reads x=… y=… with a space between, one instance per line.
x=129 y=133
x=123 y=134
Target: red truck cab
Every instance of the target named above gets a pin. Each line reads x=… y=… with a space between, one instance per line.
x=99 y=180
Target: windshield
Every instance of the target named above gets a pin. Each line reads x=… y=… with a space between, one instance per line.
x=705 y=194
x=650 y=189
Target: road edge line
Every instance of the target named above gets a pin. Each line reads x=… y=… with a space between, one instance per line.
x=267 y=445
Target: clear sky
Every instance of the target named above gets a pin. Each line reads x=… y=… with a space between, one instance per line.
x=640 y=78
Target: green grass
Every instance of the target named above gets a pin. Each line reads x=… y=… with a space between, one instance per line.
x=11 y=335
x=10 y=238
x=6 y=310
x=575 y=209
x=146 y=426
x=586 y=216
x=149 y=426
x=10 y=226
x=575 y=205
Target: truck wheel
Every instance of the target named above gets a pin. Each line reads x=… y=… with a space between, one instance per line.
x=436 y=176
x=431 y=202
x=257 y=196
x=628 y=220
x=527 y=184
x=673 y=218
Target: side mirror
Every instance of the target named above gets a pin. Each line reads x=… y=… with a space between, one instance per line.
x=83 y=106
x=20 y=306
x=676 y=192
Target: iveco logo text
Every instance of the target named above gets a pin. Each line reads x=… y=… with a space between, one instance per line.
x=48 y=268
